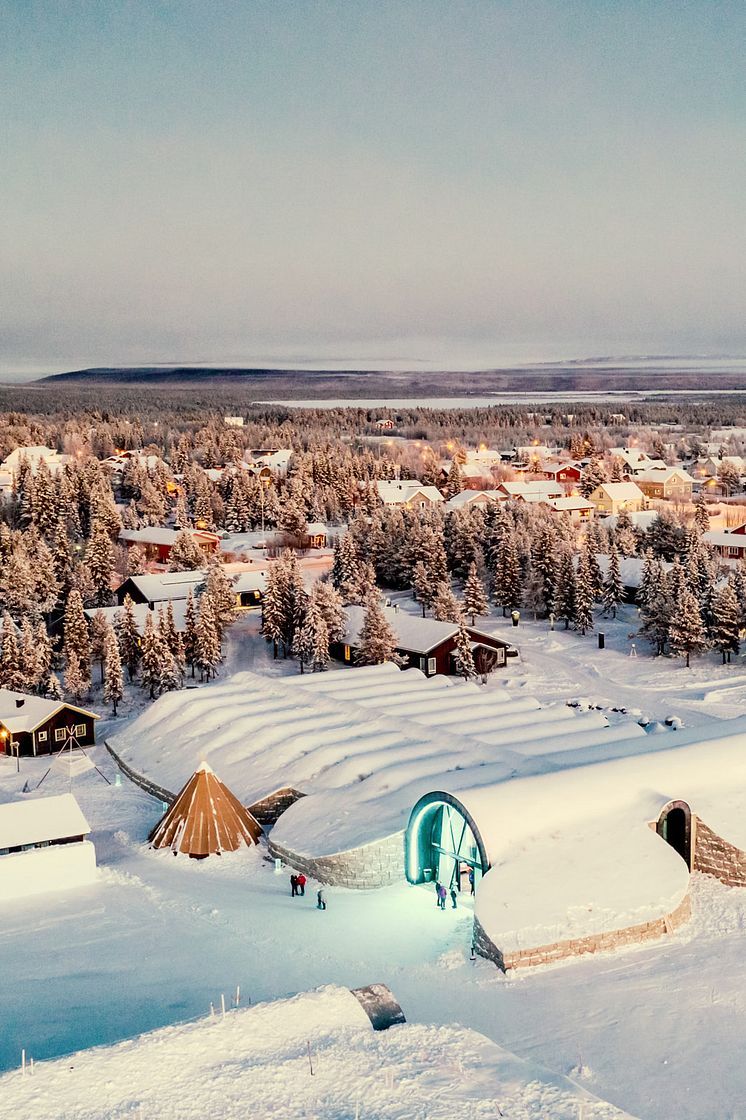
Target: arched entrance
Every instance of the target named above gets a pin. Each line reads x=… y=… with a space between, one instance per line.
x=443 y=843
x=675 y=826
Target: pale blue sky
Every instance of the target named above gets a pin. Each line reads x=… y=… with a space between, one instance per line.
x=486 y=181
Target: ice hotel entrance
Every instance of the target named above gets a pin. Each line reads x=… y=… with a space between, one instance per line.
x=443 y=843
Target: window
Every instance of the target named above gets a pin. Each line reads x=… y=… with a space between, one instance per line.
x=347 y=653
x=42 y=737
x=80 y=729
x=59 y=734
x=431 y=666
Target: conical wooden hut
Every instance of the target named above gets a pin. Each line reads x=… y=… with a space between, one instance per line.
x=205 y=819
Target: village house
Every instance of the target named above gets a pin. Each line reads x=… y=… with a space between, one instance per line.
x=423 y=643
x=671 y=483
x=613 y=497
x=385 y=425
x=539 y=489
x=473 y=498
x=562 y=472
x=32 y=725
x=408 y=492
x=728 y=543
x=275 y=459
x=233 y=421
x=157 y=542
x=44 y=846
x=634 y=460
x=579 y=509
x=154 y=589
x=34 y=455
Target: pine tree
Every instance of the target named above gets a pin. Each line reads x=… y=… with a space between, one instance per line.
x=613 y=593
x=462 y=653
x=446 y=607
x=475 y=599
x=377 y=640
x=190 y=632
x=98 y=629
x=273 y=605
x=53 y=688
x=565 y=596
x=185 y=554
x=726 y=623
x=99 y=559
x=10 y=669
x=701 y=516
x=295 y=600
x=129 y=637
x=508 y=574
x=152 y=656
x=30 y=661
x=687 y=634
x=220 y=589
x=330 y=604
x=77 y=682
x=422 y=585
x=45 y=657
x=584 y=595
x=209 y=655
x=76 y=640
x=455 y=481
x=113 y=681
x=364 y=583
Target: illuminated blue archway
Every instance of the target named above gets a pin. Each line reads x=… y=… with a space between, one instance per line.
x=443 y=842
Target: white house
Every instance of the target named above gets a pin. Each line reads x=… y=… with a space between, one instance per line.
x=44 y=847
x=540 y=488
x=34 y=456
x=408 y=492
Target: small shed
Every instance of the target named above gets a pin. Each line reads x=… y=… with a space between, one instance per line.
x=44 y=846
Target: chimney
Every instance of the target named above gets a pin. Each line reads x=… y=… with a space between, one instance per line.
x=20 y=701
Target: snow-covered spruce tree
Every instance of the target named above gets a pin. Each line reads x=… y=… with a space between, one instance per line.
x=726 y=623
x=129 y=636
x=657 y=609
x=454 y=481
x=701 y=515
x=30 y=664
x=113 y=680
x=209 y=654
x=687 y=633
x=650 y=580
x=220 y=589
x=330 y=604
x=45 y=656
x=462 y=653
x=365 y=582
x=53 y=688
x=591 y=477
x=624 y=534
x=295 y=599
x=377 y=640
x=565 y=594
x=475 y=599
x=508 y=574
x=584 y=595
x=99 y=559
x=273 y=610
x=738 y=583
x=345 y=561
x=17 y=583
x=446 y=607
x=62 y=560
x=185 y=554
x=137 y=561
x=422 y=586
x=181 y=517
x=190 y=632
x=613 y=592
x=76 y=640
x=152 y=655
x=311 y=637
x=11 y=675
x=77 y=682
x=98 y=629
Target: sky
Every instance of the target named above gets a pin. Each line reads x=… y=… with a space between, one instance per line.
x=370 y=182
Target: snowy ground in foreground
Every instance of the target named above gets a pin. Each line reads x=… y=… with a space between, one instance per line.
x=659 y=1032
x=314 y=1056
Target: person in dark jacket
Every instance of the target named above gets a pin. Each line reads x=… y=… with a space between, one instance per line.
x=437 y=893
x=301 y=884
x=320 y=899
x=442 y=895
x=293 y=885
x=471 y=880
x=453 y=897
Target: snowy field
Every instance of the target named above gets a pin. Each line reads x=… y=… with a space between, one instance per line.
x=658 y=1031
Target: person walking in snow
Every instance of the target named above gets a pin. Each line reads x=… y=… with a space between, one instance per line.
x=320 y=899
x=442 y=894
x=301 y=884
x=293 y=885
x=453 y=897
x=471 y=880
x=437 y=893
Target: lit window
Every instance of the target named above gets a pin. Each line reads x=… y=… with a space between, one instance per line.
x=347 y=653
x=80 y=729
x=59 y=734
x=431 y=666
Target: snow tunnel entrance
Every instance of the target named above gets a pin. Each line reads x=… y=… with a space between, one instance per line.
x=443 y=844
x=675 y=826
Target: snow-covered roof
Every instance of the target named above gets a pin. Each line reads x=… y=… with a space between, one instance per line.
x=156 y=534
x=20 y=713
x=420 y=635
x=723 y=539
x=663 y=474
x=37 y=819
x=161 y=586
x=620 y=491
x=34 y=455
x=542 y=486
x=469 y=497
x=404 y=490
x=141 y=612
x=570 y=503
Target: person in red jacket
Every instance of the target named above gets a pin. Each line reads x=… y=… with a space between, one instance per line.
x=302 y=883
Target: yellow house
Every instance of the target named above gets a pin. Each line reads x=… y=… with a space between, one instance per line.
x=613 y=497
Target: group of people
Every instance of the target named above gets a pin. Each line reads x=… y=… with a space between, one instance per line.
x=298 y=887
x=441 y=895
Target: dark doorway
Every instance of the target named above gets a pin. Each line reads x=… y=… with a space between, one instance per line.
x=675 y=826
